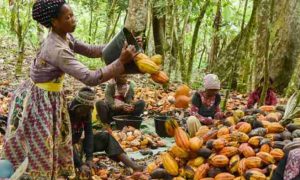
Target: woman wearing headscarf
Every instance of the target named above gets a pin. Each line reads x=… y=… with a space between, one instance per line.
x=205 y=105
x=80 y=110
x=38 y=123
x=254 y=96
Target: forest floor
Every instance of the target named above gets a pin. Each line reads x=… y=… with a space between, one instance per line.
x=155 y=97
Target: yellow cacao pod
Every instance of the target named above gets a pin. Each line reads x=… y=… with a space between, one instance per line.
x=157 y=59
x=170 y=126
x=151 y=167
x=179 y=152
x=266 y=157
x=160 y=77
x=222 y=131
x=240 y=137
x=145 y=64
x=245 y=128
x=255 y=175
x=234 y=163
x=255 y=141
x=277 y=154
x=169 y=163
x=196 y=143
x=196 y=162
x=202 y=131
x=224 y=176
x=219 y=144
x=253 y=162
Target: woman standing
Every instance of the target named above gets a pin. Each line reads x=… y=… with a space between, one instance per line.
x=38 y=122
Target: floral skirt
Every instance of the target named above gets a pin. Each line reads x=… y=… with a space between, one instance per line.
x=39 y=128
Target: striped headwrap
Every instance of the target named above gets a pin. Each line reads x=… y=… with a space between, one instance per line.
x=85 y=96
x=44 y=10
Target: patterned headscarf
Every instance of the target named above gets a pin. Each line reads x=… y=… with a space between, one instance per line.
x=85 y=96
x=44 y=10
x=292 y=167
x=211 y=81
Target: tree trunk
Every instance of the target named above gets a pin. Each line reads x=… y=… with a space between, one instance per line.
x=169 y=33
x=216 y=37
x=262 y=44
x=136 y=19
x=194 y=40
x=110 y=13
x=158 y=31
x=284 y=46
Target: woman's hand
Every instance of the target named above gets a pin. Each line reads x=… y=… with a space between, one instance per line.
x=139 y=40
x=128 y=53
x=128 y=108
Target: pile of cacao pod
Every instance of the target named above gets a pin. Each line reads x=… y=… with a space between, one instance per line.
x=132 y=139
x=240 y=147
x=152 y=67
x=182 y=96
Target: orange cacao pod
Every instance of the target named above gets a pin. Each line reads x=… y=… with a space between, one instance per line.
x=160 y=77
x=219 y=161
x=277 y=154
x=201 y=171
x=229 y=151
x=266 y=157
x=182 y=138
x=182 y=102
x=224 y=176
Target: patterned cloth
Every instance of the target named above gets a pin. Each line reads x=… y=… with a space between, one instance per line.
x=39 y=127
x=254 y=97
x=292 y=168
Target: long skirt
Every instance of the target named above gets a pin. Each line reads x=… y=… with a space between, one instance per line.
x=39 y=128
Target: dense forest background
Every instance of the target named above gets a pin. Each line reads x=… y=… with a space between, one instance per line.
x=240 y=40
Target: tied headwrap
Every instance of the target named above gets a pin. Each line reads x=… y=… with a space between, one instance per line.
x=44 y=10
x=211 y=81
x=85 y=96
